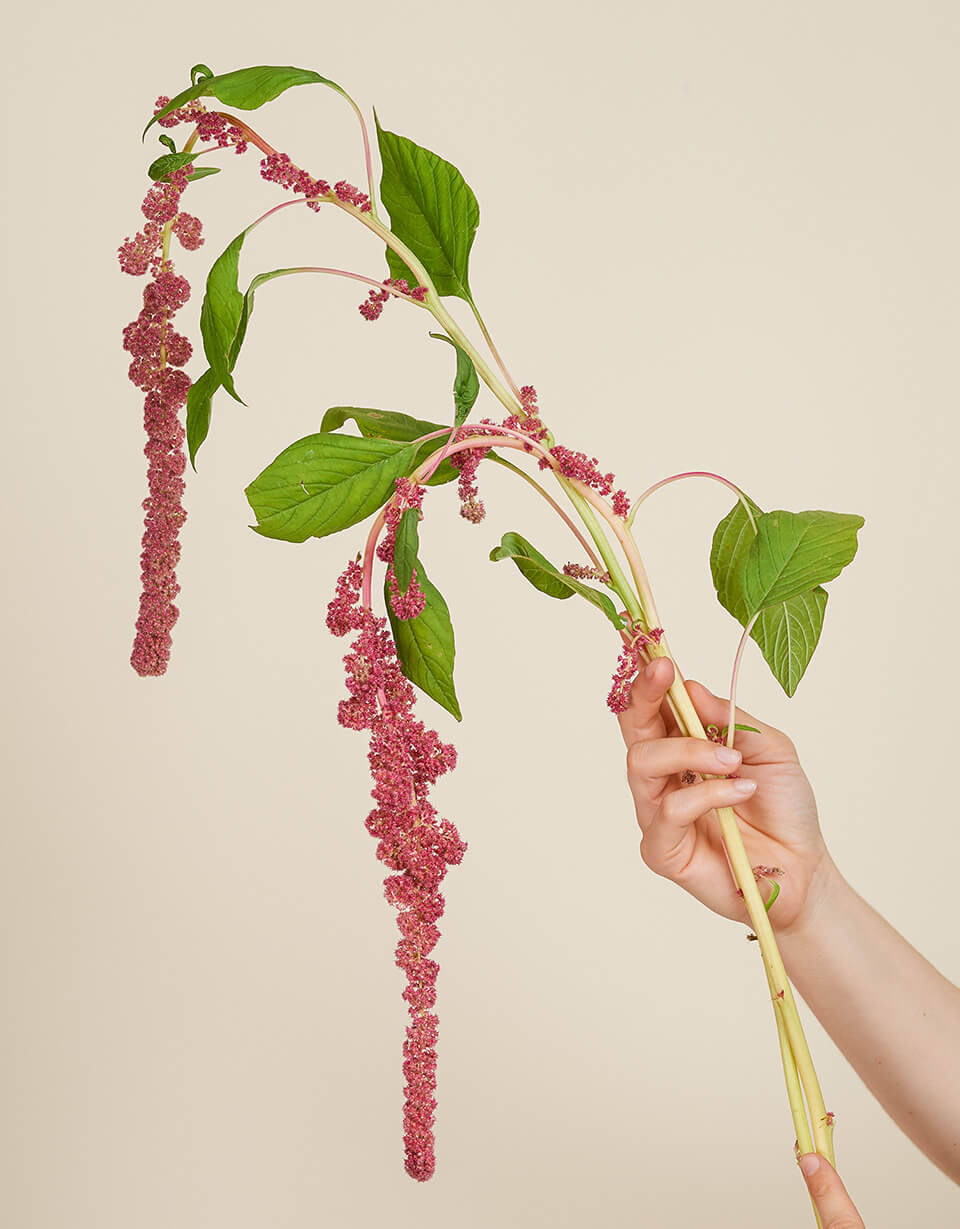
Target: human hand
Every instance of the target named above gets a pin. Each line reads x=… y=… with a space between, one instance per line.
x=834 y=1206
x=681 y=834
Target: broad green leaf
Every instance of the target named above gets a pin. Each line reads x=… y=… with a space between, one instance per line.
x=425 y=645
x=466 y=382
x=406 y=545
x=221 y=313
x=432 y=211
x=246 y=88
x=794 y=551
x=550 y=580
x=161 y=167
x=392 y=425
x=202 y=172
x=325 y=483
x=198 y=412
x=786 y=632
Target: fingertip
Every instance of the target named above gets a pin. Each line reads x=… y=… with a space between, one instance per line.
x=660 y=672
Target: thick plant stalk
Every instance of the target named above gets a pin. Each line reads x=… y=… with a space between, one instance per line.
x=780 y=988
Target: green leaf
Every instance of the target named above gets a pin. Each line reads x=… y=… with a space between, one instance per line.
x=432 y=210
x=392 y=425
x=774 y=893
x=246 y=88
x=198 y=412
x=788 y=631
x=325 y=483
x=425 y=645
x=406 y=545
x=794 y=551
x=202 y=172
x=221 y=313
x=550 y=580
x=169 y=142
x=466 y=382
x=161 y=167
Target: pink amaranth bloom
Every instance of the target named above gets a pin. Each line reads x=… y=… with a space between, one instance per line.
x=279 y=169
x=529 y=422
x=628 y=663
x=157 y=352
x=406 y=759
x=621 y=503
x=372 y=307
x=471 y=506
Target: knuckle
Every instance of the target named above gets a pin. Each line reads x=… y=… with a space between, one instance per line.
x=637 y=756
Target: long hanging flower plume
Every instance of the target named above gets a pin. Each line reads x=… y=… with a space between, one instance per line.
x=768 y=568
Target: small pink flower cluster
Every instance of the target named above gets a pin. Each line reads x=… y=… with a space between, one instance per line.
x=372 y=307
x=577 y=465
x=628 y=663
x=406 y=759
x=580 y=571
x=529 y=422
x=157 y=351
x=471 y=506
x=411 y=603
x=280 y=169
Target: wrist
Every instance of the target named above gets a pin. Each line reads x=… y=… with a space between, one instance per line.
x=809 y=930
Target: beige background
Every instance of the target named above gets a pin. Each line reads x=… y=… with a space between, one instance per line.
x=713 y=235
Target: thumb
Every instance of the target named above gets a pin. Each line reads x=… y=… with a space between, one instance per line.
x=829 y=1195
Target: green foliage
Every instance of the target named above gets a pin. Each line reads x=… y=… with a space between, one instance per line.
x=161 y=167
x=392 y=425
x=425 y=645
x=405 y=548
x=221 y=313
x=198 y=411
x=778 y=570
x=550 y=580
x=202 y=172
x=466 y=382
x=432 y=210
x=324 y=483
x=246 y=88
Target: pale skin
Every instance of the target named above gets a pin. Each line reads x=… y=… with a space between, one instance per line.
x=892 y=1014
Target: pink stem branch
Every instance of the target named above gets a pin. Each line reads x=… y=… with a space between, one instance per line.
x=693 y=473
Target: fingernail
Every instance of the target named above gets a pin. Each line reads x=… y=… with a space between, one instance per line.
x=727 y=755
x=743 y=786
x=810 y=1164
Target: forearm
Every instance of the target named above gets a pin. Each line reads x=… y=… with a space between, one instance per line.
x=894 y=1017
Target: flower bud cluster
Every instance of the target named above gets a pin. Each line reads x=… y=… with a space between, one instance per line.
x=406 y=760
x=280 y=169
x=372 y=307
x=628 y=663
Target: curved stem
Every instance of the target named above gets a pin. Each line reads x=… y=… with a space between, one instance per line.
x=251 y=135
x=493 y=350
x=357 y=277
x=368 y=161
x=731 y=729
x=693 y=473
x=593 y=557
